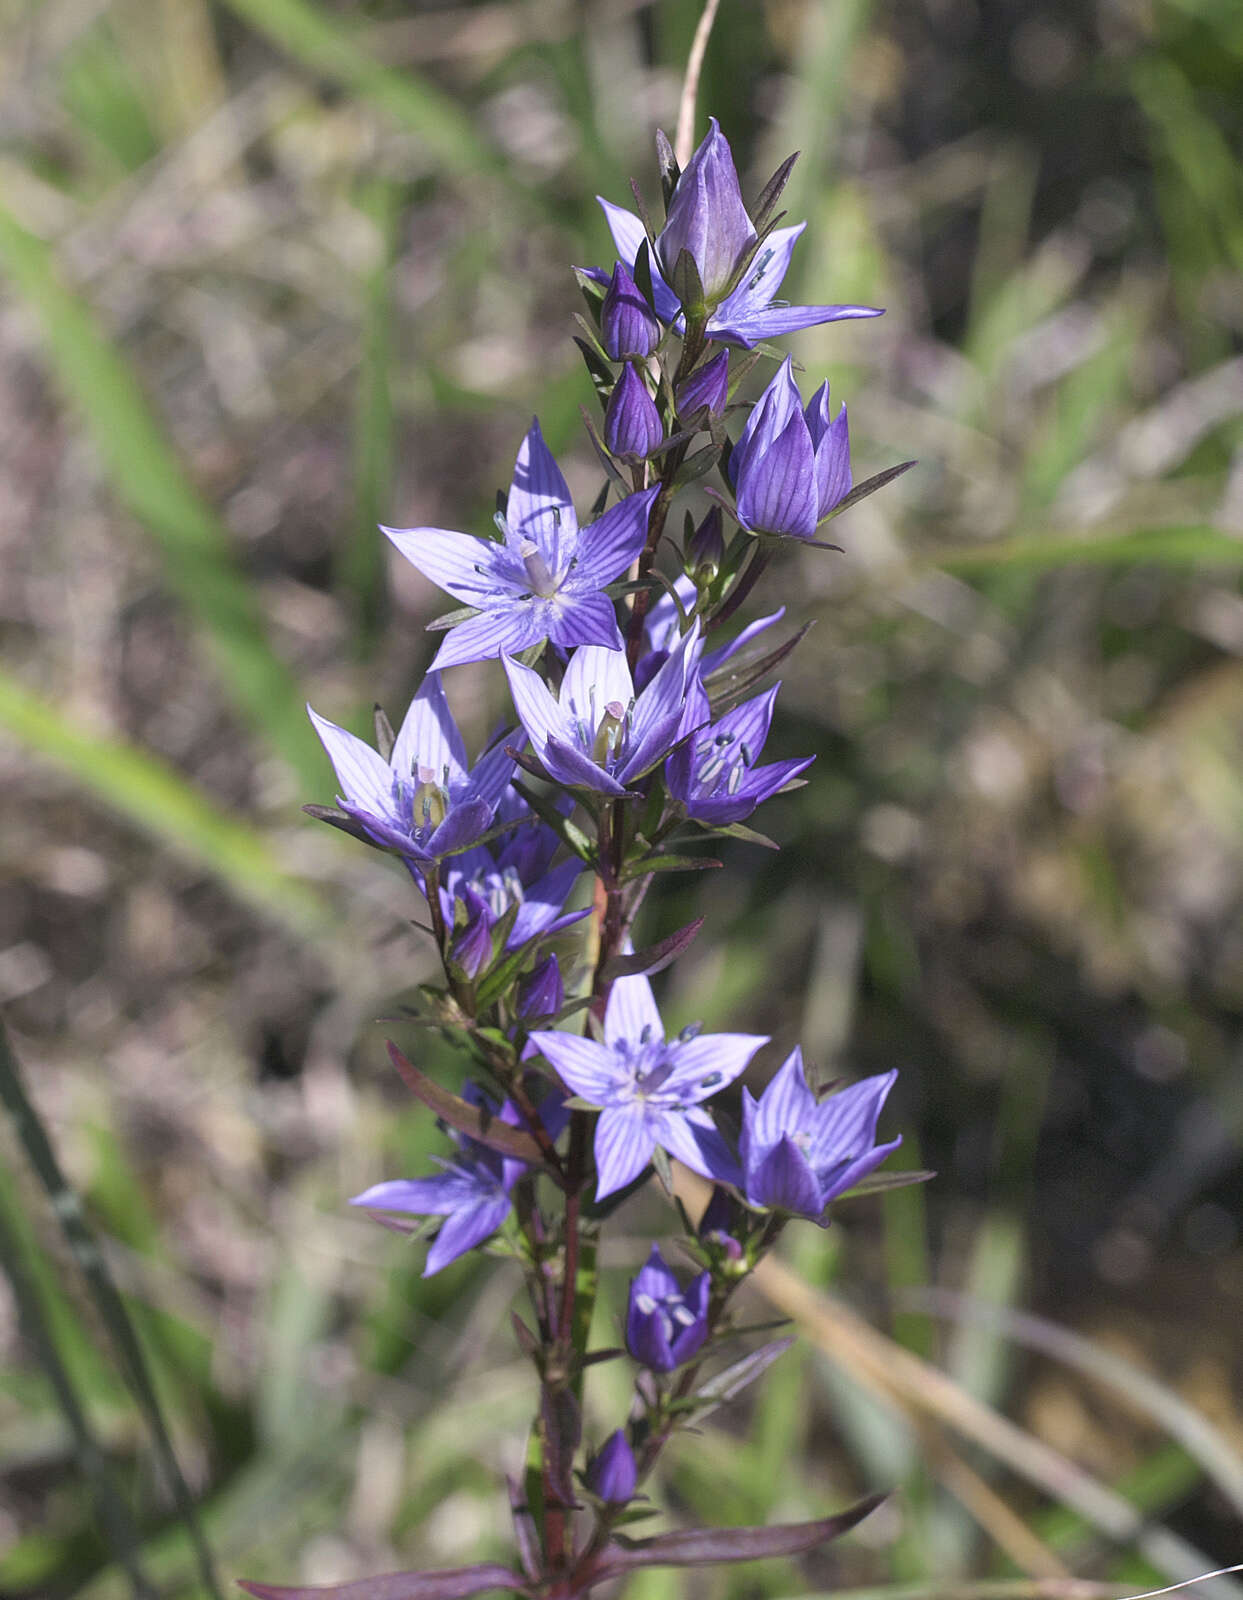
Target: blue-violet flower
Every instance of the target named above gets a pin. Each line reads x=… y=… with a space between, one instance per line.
x=598 y=735
x=790 y=467
x=649 y=1089
x=627 y=327
x=665 y=1324
x=613 y=1474
x=546 y=579
x=714 y=773
x=632 y=425
x=798 y=1153
x=422 y=801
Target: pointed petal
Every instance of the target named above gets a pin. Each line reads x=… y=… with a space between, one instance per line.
x=777 y=488
x=691 y=1138
x=760 y=784
x=632 y=1008
x=763 y=279
x=624 y=1146
x=783 y=1179
x=568 y=764
x=769 y=417
x=596 y=677
x=539 y=507
x=462 y=826
x=657 y=741
x=464 y=1230
x=713 y=660
x=429 y=737
x=839 y=1179
x=365 y=777
x=583 y=617
x=502 y=632
x=749 y=723
x=771 y=323
x=833 y=478
x=613 y=541
x=666 y=694
x=538 y=712
x=845 y=1123
x=425 y=1197
x=704 y=1066
x=628 y=235
x=787 y=1104
x=477 y=571
x=654 y=1278
x=585 y=1067
x=492 y=774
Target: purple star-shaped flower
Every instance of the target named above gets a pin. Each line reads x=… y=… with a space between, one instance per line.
x=649 y=1089
x=706 y=217
x=665 y=1324
x=545 y=580
x=714 y=773
x=798 y=1153
x=472 y=1191
x=791 y=465
x=422 y=801
x=598 y=734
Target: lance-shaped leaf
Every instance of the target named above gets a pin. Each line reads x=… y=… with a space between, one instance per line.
x=867 y=487
x=725 y=1385
x=656 y=957
x=881 y=1182
x=445 y=1583
x=704 y=1547
x=467 y=1119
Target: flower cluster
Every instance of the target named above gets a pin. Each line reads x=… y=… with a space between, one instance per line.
x=635 y=733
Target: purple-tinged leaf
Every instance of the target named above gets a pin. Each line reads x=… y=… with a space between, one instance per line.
x=526 y=1535
x=867 y=487
x=656 y=957
x=880 y=1182
x=703 y=1547
x=727 y=689
x=467 y=1119
x=725 y=1385
x=446 y=1583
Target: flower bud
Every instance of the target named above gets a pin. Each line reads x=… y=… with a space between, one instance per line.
x=707 y=386
x=705 y=550
x=472 y=947
x=613 y=1474
x=627 y=326
x=707 y=218
x=632 y=425
x=541 y=993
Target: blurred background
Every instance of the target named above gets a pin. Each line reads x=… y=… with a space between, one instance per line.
x=274 y=270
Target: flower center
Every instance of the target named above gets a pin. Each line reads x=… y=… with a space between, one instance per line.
x=541 y=579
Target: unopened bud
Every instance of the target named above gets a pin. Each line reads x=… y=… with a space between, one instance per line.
x=629 y=330
x=705 y=550
x=707 y=386
x=632 y=425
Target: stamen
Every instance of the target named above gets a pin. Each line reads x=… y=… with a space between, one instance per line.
x=542 y=581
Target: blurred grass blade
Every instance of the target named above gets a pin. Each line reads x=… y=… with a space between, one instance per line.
x=159 y=800
x=1193 y=1430
x=114 y=1515
x=923 y=1390
x=108 y=1303
x=362 y=560
x=1178 y=546
x=323 y=45
x=146 y=475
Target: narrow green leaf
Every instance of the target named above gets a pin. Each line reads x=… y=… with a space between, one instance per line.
x=159 y=800
x=330 y=50
x=147 y=477
x=107 y=1301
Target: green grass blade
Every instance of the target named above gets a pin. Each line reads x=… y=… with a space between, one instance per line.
x=328 y=49
x=148 y=479
x=160 y=801
x=108 y=1303
x=362 y=560
x=115 y=1520
x=1178 y=546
